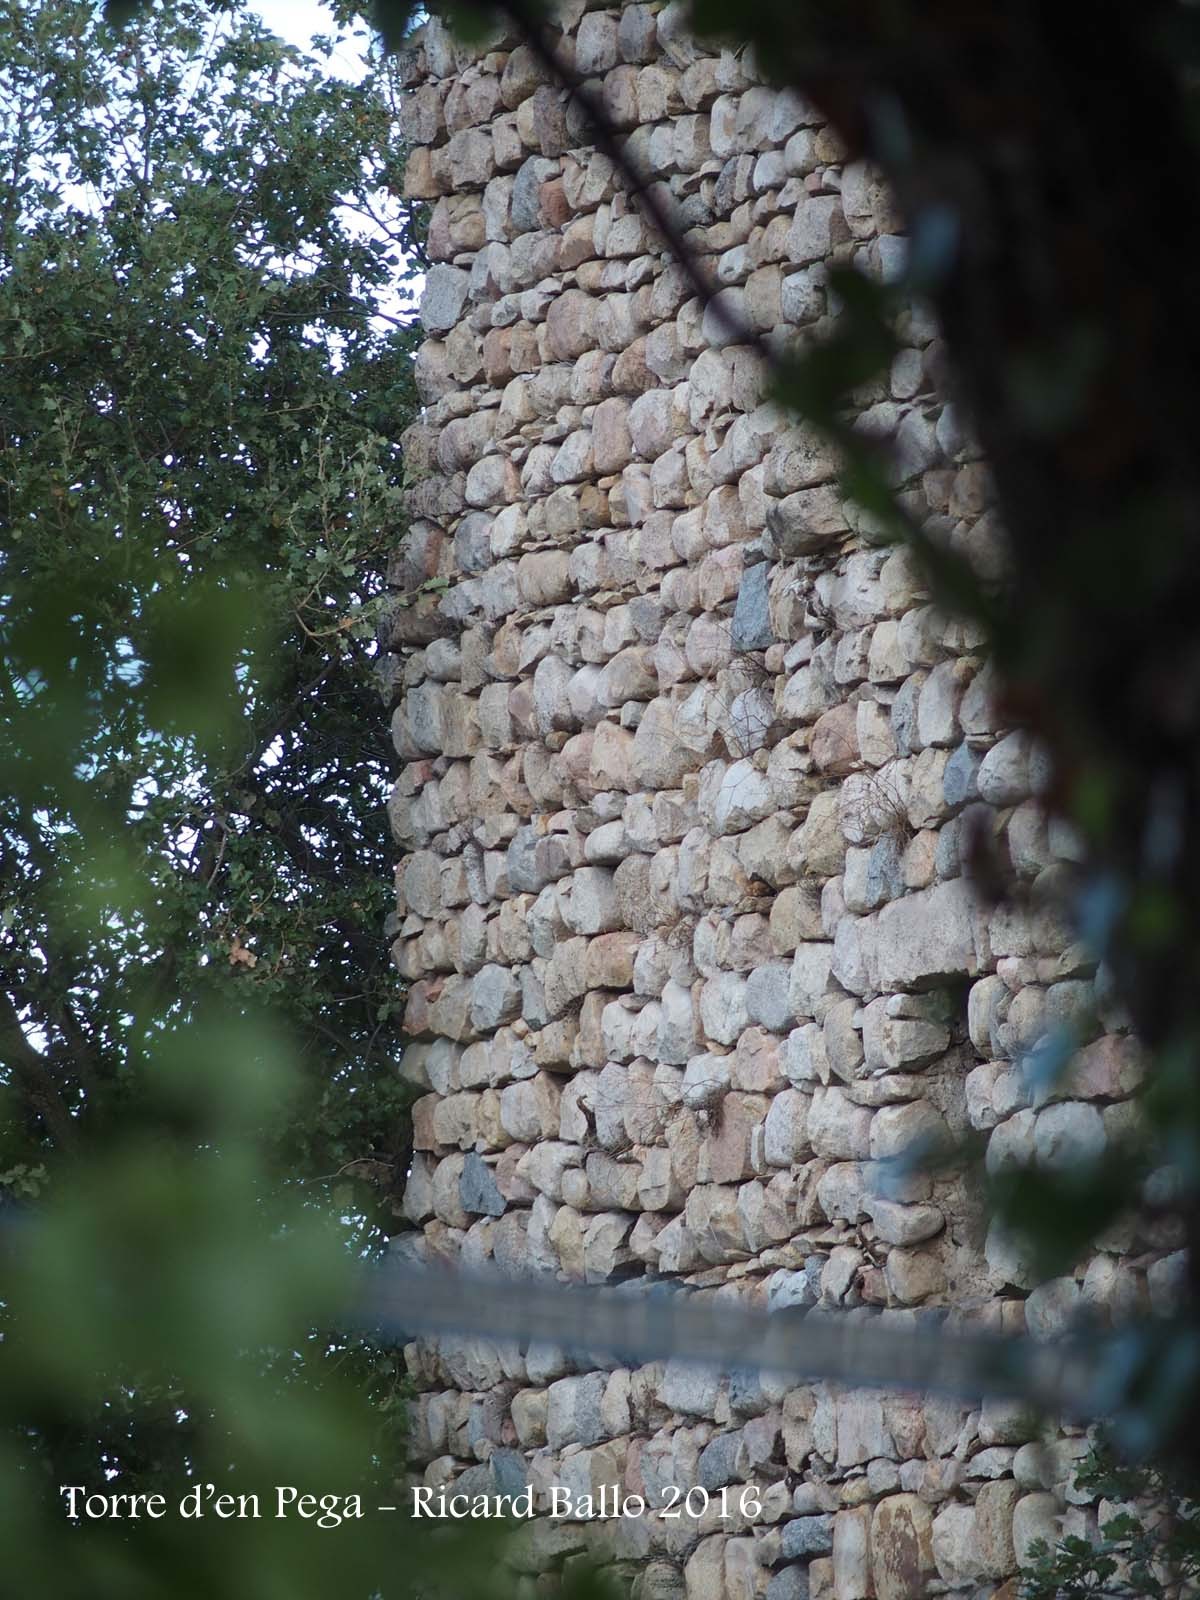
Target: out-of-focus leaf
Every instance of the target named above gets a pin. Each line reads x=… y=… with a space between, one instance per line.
x=393 y=19
x=1083 y=1198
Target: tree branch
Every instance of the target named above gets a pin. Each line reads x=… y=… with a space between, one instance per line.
x=32 y=1072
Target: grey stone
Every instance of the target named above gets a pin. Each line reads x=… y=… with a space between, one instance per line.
x=573 y=1415
x=720 y=1460
x=509 y=1472
x=904 y=1225
x=751 y=615
x=1035 y=1516
x=808 y=520
x=1068 y=1133
x=525 y=874
x=495 y=997
x=875 y=875
x=1011 y=1144
x=810 y=979
x=751 y=719
x=677 y=1034
x=904 y=713
x=747 y=1398
x=1008 y=1258
x=937 y=709
x=900 y=1043
x=789 y=1583
x=636 y=33
x=475 y=1480
x=473 y=549
x=590 y=905
x=855 y=954
x=706 y=1081
x=477 y=1188
x=767 y=996
x=862 y=1429
x=526 y=192
x=819 y=225
x=1166 y=1281
x=690 y=1389
x=1004 y=775
x=785 y=1131
x=790 y=1290
x=723 y=1012
x=928 y=937
x=806 y=1536
x=844 y=1039
x=444 y=297
x=842 y=1192
x=837 y=1128
x=745 y=796
x=954 y=1545
x=960 y=780
x=1051 y=1306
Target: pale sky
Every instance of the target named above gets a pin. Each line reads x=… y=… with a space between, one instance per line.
x=297 y=21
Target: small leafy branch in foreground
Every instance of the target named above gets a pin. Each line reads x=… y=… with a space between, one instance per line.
x=1148 y=1547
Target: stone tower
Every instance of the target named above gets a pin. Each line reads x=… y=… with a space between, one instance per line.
x=689 y=761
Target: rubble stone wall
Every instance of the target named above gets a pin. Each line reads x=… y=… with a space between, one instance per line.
x=688 y=764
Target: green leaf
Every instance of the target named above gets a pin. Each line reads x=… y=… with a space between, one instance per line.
x=119 y=13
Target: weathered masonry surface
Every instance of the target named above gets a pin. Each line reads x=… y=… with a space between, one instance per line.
x=688 y=765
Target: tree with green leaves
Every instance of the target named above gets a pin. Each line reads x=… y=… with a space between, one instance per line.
x=205 y=368
x=199 y=404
